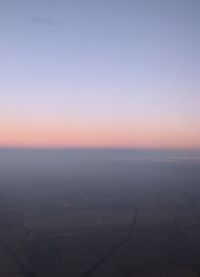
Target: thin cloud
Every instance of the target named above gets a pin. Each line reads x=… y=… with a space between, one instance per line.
x=43 y=21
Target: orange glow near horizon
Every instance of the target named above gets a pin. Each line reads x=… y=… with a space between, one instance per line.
x=99 y=135
x=98 y=79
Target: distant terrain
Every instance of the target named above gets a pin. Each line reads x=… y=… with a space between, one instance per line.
x=115 y=213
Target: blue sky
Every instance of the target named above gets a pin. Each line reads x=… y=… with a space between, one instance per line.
x=112 y=66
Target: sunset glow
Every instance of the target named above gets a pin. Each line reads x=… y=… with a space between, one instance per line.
x=76 y=135
x=74 y=76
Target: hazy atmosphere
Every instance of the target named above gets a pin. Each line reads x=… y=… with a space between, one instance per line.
x=99 y=138
x=106 y=73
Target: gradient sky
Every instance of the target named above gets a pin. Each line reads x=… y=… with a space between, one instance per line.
x=107 y=73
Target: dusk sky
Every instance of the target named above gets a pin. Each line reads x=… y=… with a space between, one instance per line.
x=100 y=73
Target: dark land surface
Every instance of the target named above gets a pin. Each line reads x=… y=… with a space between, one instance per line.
x=82 y=213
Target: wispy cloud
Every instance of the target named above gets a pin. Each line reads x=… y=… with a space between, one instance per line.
x=43 y=20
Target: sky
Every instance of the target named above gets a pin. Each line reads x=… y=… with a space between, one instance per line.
x=100 y=73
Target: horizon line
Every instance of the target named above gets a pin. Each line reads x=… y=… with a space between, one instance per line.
x=98 y=148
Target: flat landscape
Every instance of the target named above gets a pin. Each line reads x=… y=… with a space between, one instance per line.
x=98 y=213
